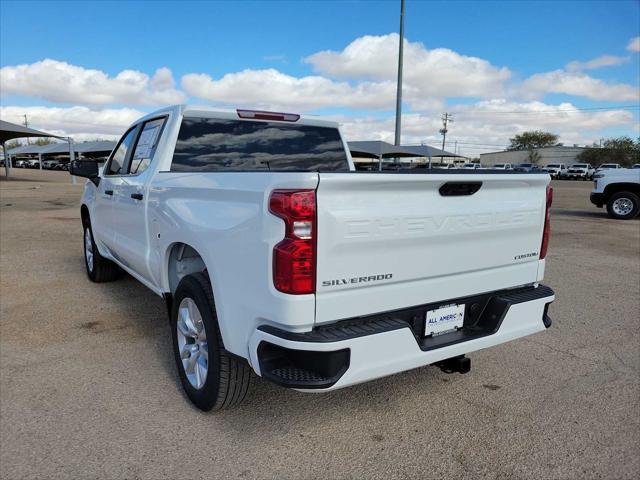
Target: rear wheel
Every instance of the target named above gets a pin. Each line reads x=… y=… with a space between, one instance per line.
x=211 y=377
x=623 y=205
x=99 y=269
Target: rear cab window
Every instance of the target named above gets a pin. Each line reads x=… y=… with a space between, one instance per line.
x=214 y=145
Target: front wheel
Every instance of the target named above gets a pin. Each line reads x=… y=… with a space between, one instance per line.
x=211 y=377
x=623 y=205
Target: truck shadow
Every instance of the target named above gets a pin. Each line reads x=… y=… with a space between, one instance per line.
x=577 y=213
x=583 y=214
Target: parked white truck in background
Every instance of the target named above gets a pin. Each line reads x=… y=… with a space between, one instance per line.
x=556 y=170
x=273 y=254
x=582 y=171
x=619 y=190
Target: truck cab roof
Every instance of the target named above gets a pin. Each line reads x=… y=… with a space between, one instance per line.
x=204 y=111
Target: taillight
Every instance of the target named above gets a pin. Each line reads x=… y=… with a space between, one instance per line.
x=294 y=258
x=547 y=227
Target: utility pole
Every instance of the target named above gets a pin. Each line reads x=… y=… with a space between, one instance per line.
x=399 y=87
x=26 y=124
x=446 y=118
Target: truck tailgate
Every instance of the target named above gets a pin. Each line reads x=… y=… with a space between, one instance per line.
x=390 y=241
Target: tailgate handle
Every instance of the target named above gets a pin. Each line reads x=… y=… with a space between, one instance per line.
x=458 y=189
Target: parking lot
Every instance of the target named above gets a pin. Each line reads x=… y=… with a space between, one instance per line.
x=88 y=387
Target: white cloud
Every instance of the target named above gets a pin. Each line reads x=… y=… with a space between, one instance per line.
x=578 y=84
x=80 y=122
x=634 y=45
x=65 y=83
x=487 y=125
x=271 y=88
x=438 y=72
x=598 y=62
x=366 y=79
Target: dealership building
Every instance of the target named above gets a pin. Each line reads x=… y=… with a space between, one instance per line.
x=547 y=155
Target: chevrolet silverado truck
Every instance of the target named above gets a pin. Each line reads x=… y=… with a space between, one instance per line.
x=582 y=171
x=619 y=190
x=556 y=170
x=274 y=255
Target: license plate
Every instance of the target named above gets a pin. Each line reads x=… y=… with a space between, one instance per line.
x=444 y=319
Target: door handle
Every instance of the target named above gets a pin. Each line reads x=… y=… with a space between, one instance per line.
x=137 y=196
x=108 y=192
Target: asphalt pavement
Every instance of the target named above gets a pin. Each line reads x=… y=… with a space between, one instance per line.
x=88 y=387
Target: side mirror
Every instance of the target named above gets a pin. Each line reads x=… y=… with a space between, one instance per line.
x=84 y=168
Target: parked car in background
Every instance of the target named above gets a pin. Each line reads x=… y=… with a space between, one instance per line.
x=33 y=163
x=502 y=166
x=272 y=254
x=636 y=165
x=556 y=170
x=581 y=171
x=472 y=166
x=50 y=164
x=527 y=168
x=444 y=166
x=20 y=163
x=61 y=166
x=619 y=190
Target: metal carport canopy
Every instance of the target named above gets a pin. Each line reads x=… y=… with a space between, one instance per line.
x=378 y=149
x=95 y=146
x=10 y=130
x=427 y=151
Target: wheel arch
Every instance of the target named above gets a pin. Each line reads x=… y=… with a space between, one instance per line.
x=182 y=259
x=84 y=214
x=621 y=187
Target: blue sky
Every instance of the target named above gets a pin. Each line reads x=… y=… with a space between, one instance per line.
x=518 y=42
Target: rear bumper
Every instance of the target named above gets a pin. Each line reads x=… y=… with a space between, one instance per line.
x=358 y=350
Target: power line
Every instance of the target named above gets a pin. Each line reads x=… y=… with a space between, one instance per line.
x=535 y=112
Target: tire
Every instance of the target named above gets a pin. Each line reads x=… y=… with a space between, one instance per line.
x=225 y=382
x=99 y=269
x=623 y=205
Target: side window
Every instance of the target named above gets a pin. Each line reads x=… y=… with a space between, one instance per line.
x=119 y=157
x=146 y=146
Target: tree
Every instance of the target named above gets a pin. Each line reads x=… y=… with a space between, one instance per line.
x=534 y=157
x=12 y=144
x=622 y=150
x=533 y=139
x=44 y=141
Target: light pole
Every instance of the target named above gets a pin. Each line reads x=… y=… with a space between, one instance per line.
x=71 y=157
x=399 y=87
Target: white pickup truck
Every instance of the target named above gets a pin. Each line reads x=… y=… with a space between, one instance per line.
x=619 y=190
x=584 y=171
x=273 y=254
